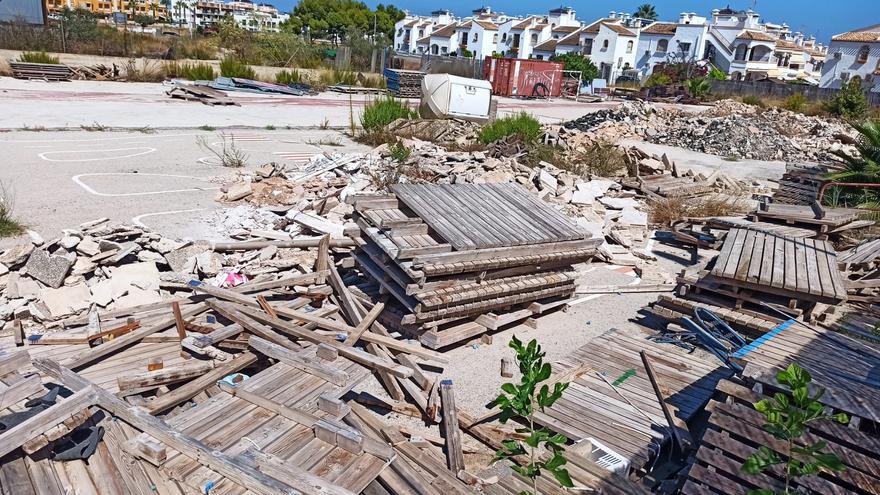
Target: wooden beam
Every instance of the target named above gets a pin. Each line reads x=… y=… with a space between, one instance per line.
x=164 y=376
x=364 y=323
x=12 y=361
x=24 y=387
x=231 y=312
x=87 y=356
x=449 y=427
x=352 y=353
x=294 y=360
x=192 y=388
x=679 y=428
x=191 y=447
x=16 y=436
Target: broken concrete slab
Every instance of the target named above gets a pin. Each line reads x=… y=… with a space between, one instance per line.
x=631 y=216
x=16 y=255
x=47 y=268
x=65 y=301
x=183 y=259
x=547 y=181
x=239 y=190
x=88 y=247
x=619 y=203
x=136 y=297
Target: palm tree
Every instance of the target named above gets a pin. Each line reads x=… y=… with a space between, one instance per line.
x=864 y=168
x=167 y=5
x=646 y=11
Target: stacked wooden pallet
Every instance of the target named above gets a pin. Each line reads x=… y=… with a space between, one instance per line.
x=820 y=219
x=861 y=268
x=756 y=276
x=197 y=92
x=47 y=72
x=461 y=259
x=404 y=83
x=800 y=183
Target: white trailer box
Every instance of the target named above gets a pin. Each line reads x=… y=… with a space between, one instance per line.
x=446 y=96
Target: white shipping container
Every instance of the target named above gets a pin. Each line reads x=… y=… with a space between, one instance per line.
x=447 y=96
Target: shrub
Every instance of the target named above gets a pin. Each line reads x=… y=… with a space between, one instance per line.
x=666 y=211
x=521 y=125
x=335 y=76
x=233 y=67
x=716 y=73
x=194 y=72
x=229 y=155
x=383 y=111
x=150 y=71
x=38 y=58
x=601 y=158
x=698 y=87
x=849 y=102
x=657 y=80
x=795 y=102
x=8 y=225
x=289 y=77
x=576 y=61
x=754 y=101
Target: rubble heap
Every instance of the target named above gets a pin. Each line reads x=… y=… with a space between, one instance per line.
x=729 y=129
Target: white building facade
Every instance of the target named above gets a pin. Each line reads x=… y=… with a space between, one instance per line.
x=853 y=55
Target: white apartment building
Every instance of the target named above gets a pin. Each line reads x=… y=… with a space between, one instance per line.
x=853 y=55
x=248 y=15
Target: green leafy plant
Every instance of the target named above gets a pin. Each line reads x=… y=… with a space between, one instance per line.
x=861 y=167
x=787 y=419
x=383 y=111
x=289 y=77
x=38 y=58
x=697 y=87
x=849 y=102
x=9 y=226
x=521 y=125
x=577 y=61
x=399 y=152
x=718 y=74
x=657 y=79
x=198 y=71
x=233 y=67
x=521 y=401
x=795 y=102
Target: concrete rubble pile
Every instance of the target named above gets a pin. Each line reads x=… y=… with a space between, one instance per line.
x=99 y=267
x=729 y=129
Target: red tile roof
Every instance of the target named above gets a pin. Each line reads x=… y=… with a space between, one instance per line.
x=547 y=46
x=617 y=28
x=661 y=28
x=755 y=36
x=858 y=36
x=573 y=39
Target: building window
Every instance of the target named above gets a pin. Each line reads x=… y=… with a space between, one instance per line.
x=662 y=46
x=862 y=57
x=495 y=38
x=421 y=33
x=476 y=37
x=605 y=44
x=534 y=38
x=740 y=52
x=588 y=45
x=684 y=47
x=629 y=46
x=504 y=38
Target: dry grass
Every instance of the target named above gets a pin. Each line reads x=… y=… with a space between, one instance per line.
x=9 y=226
x=384 y=178
x=599 y=158
x=666 y=211
x=229 y=154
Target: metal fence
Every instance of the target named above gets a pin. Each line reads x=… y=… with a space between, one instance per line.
x=769 y=89
x=435 y=64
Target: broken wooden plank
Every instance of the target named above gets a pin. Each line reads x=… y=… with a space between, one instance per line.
x=16 y=436
x=449 y=426
x=297 y=361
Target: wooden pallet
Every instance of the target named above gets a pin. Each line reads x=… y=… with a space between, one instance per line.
x=47 y=72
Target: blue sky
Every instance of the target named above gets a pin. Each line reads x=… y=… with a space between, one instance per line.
x=822 y=18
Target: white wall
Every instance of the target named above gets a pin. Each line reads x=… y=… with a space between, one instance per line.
x=845 y=63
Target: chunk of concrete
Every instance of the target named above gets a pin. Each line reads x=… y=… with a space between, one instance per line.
x=619 y=203
x=16 y=255
x=143 y=275
x=547 y=181
x=631 y=216
x=47 y=268
x=69 y=242
x=65 y=301
x=88 y=247
x=183 y=259
x=239 y=190
x=137 y=297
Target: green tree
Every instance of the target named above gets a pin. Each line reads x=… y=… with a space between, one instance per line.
x=79 y=24
x=646 y=11
x=864 y=166
x=335 y=18
x=787 y=419
x=697 y=87
x=850 y=101
x=577 y=61
x=143 y=20
x=521 y=401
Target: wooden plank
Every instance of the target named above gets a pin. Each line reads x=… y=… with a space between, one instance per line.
x=449 y=426
x=164 y=376
x=21 y=389
x=294 y=360
x=290 y=474
x=14 y=437
x=364 y=323
x=183 y=443
x=119 y=343
x=192 y=388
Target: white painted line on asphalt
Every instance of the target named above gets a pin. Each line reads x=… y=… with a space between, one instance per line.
x=89 y=189
x=137 y=220
x=145 y=151
x=97 y=139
